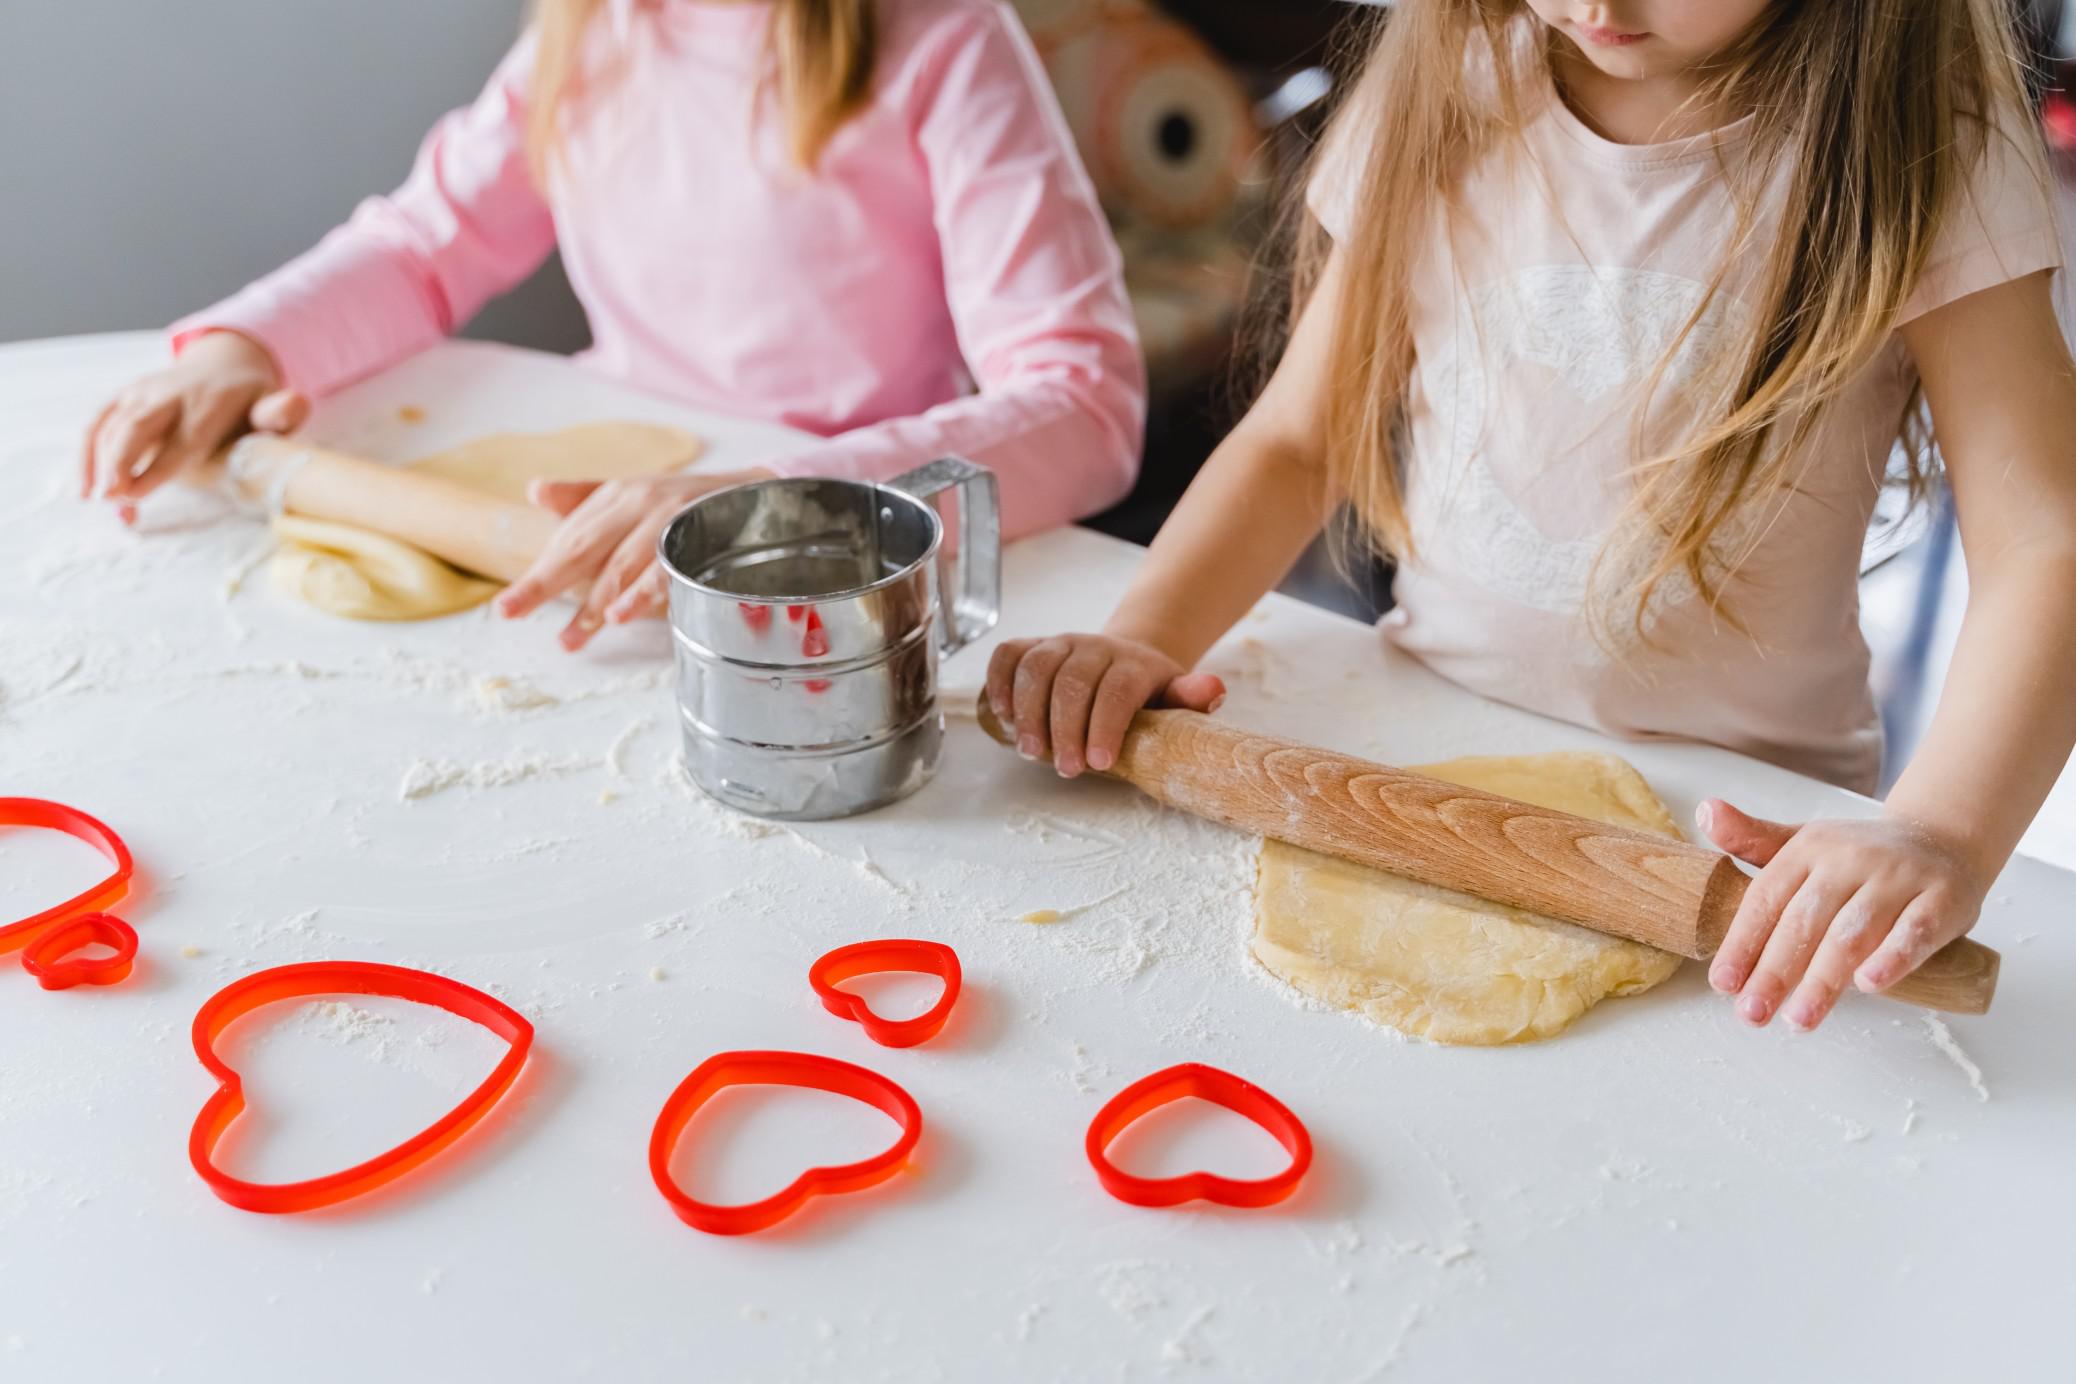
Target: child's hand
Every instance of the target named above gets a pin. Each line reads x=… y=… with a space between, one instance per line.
x=1835 y=902
x=608 y=537
x=1073 y=695
x=222 y=384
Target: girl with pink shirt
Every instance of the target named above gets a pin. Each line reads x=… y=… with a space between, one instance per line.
x=861 y=218
x=1610 y=320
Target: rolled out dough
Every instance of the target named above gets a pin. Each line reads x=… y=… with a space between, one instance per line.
x=1446 y=966
x=362 y=575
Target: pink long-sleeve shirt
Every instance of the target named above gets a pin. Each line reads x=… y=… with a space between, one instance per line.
x=942 y=283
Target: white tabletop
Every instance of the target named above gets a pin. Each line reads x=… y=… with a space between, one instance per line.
x=1658 y=1192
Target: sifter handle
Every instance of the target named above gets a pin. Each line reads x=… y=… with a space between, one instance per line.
x=969 y=559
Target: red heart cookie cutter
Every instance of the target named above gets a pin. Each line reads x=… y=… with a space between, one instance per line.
x=311 y=978
x=756 y=1068
x=49 y=955
x=874 y=958
x=45 y=938
x=1220 y=1088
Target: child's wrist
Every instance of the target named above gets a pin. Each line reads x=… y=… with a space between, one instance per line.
x=1147 y=631
x=1980 y=853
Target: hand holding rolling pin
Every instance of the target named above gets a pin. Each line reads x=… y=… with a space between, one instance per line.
x=221 y=384
x=1836 y=903
x=1869 y=903
x=1072 y=697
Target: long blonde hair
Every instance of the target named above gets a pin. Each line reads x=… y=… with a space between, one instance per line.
x=823 y=54
x=1868 y=113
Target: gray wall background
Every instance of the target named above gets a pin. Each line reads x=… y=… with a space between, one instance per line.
x=157 y=154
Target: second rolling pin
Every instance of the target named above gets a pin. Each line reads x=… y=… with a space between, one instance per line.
x=1671 y=895
x=478 y=533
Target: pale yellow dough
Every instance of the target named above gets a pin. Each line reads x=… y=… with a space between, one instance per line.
x=1446 y=966
x=362 y=575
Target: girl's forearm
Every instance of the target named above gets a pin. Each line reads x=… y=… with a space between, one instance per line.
x=2007 y=717
x=1244 y=521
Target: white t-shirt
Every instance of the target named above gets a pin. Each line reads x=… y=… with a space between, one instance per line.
x=1537 y=319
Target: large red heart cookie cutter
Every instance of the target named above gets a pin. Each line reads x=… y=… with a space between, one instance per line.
x=312 y=978
x=765 y=1068
x=47 y=939
x=1220 y=1088
x=878 y=957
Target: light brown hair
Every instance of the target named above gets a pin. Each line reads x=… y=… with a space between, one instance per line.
x=1870 y=114
x=823 y=54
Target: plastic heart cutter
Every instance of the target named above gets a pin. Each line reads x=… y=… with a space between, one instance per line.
x=310 y=978
x=1220 y=1088
x=878 y=957
x=765 y=1068
x=47 y=939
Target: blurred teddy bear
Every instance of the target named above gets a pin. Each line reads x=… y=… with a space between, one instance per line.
x=1169 y=136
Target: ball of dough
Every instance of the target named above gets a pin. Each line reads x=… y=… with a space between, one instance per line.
x=1446 y=966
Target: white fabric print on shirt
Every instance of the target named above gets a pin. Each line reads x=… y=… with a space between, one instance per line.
x=1601 y=333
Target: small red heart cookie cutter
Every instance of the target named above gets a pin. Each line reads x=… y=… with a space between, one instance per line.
x=763 y=1068
x=311 y=978
x=1220 y=1088
x=877 y=957
x=46 y=939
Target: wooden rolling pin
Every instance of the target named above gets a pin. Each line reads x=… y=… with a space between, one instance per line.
x=476 y=532
x=1671 y=895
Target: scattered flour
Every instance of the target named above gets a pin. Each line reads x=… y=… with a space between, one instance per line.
x=234 y=580
x=341 y=1022
x=616 y=753
x=1130 y=1286
x=1943 y=1039
x=1180 y=1348
x=426 y=777
x=1851 y=1131
x=502 y=694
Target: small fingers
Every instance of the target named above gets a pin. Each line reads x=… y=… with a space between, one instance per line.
x=1753 y=840
x=562 y=497
x=1794 y=940
x=128 y=439
x=576 y=550
x=86 y=451
x=1853 y=935
x=1195 y=692
x=1073 y=694
x=1002 y=679
x=203 y=426
x=649 y=593
x=621 y=570
x=1031 y=695
x=1756 y=916
x=282 y=411
x=1123 y=692
x=1928 y=923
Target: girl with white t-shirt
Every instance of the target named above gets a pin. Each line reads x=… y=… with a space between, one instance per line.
x=1614 y=316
